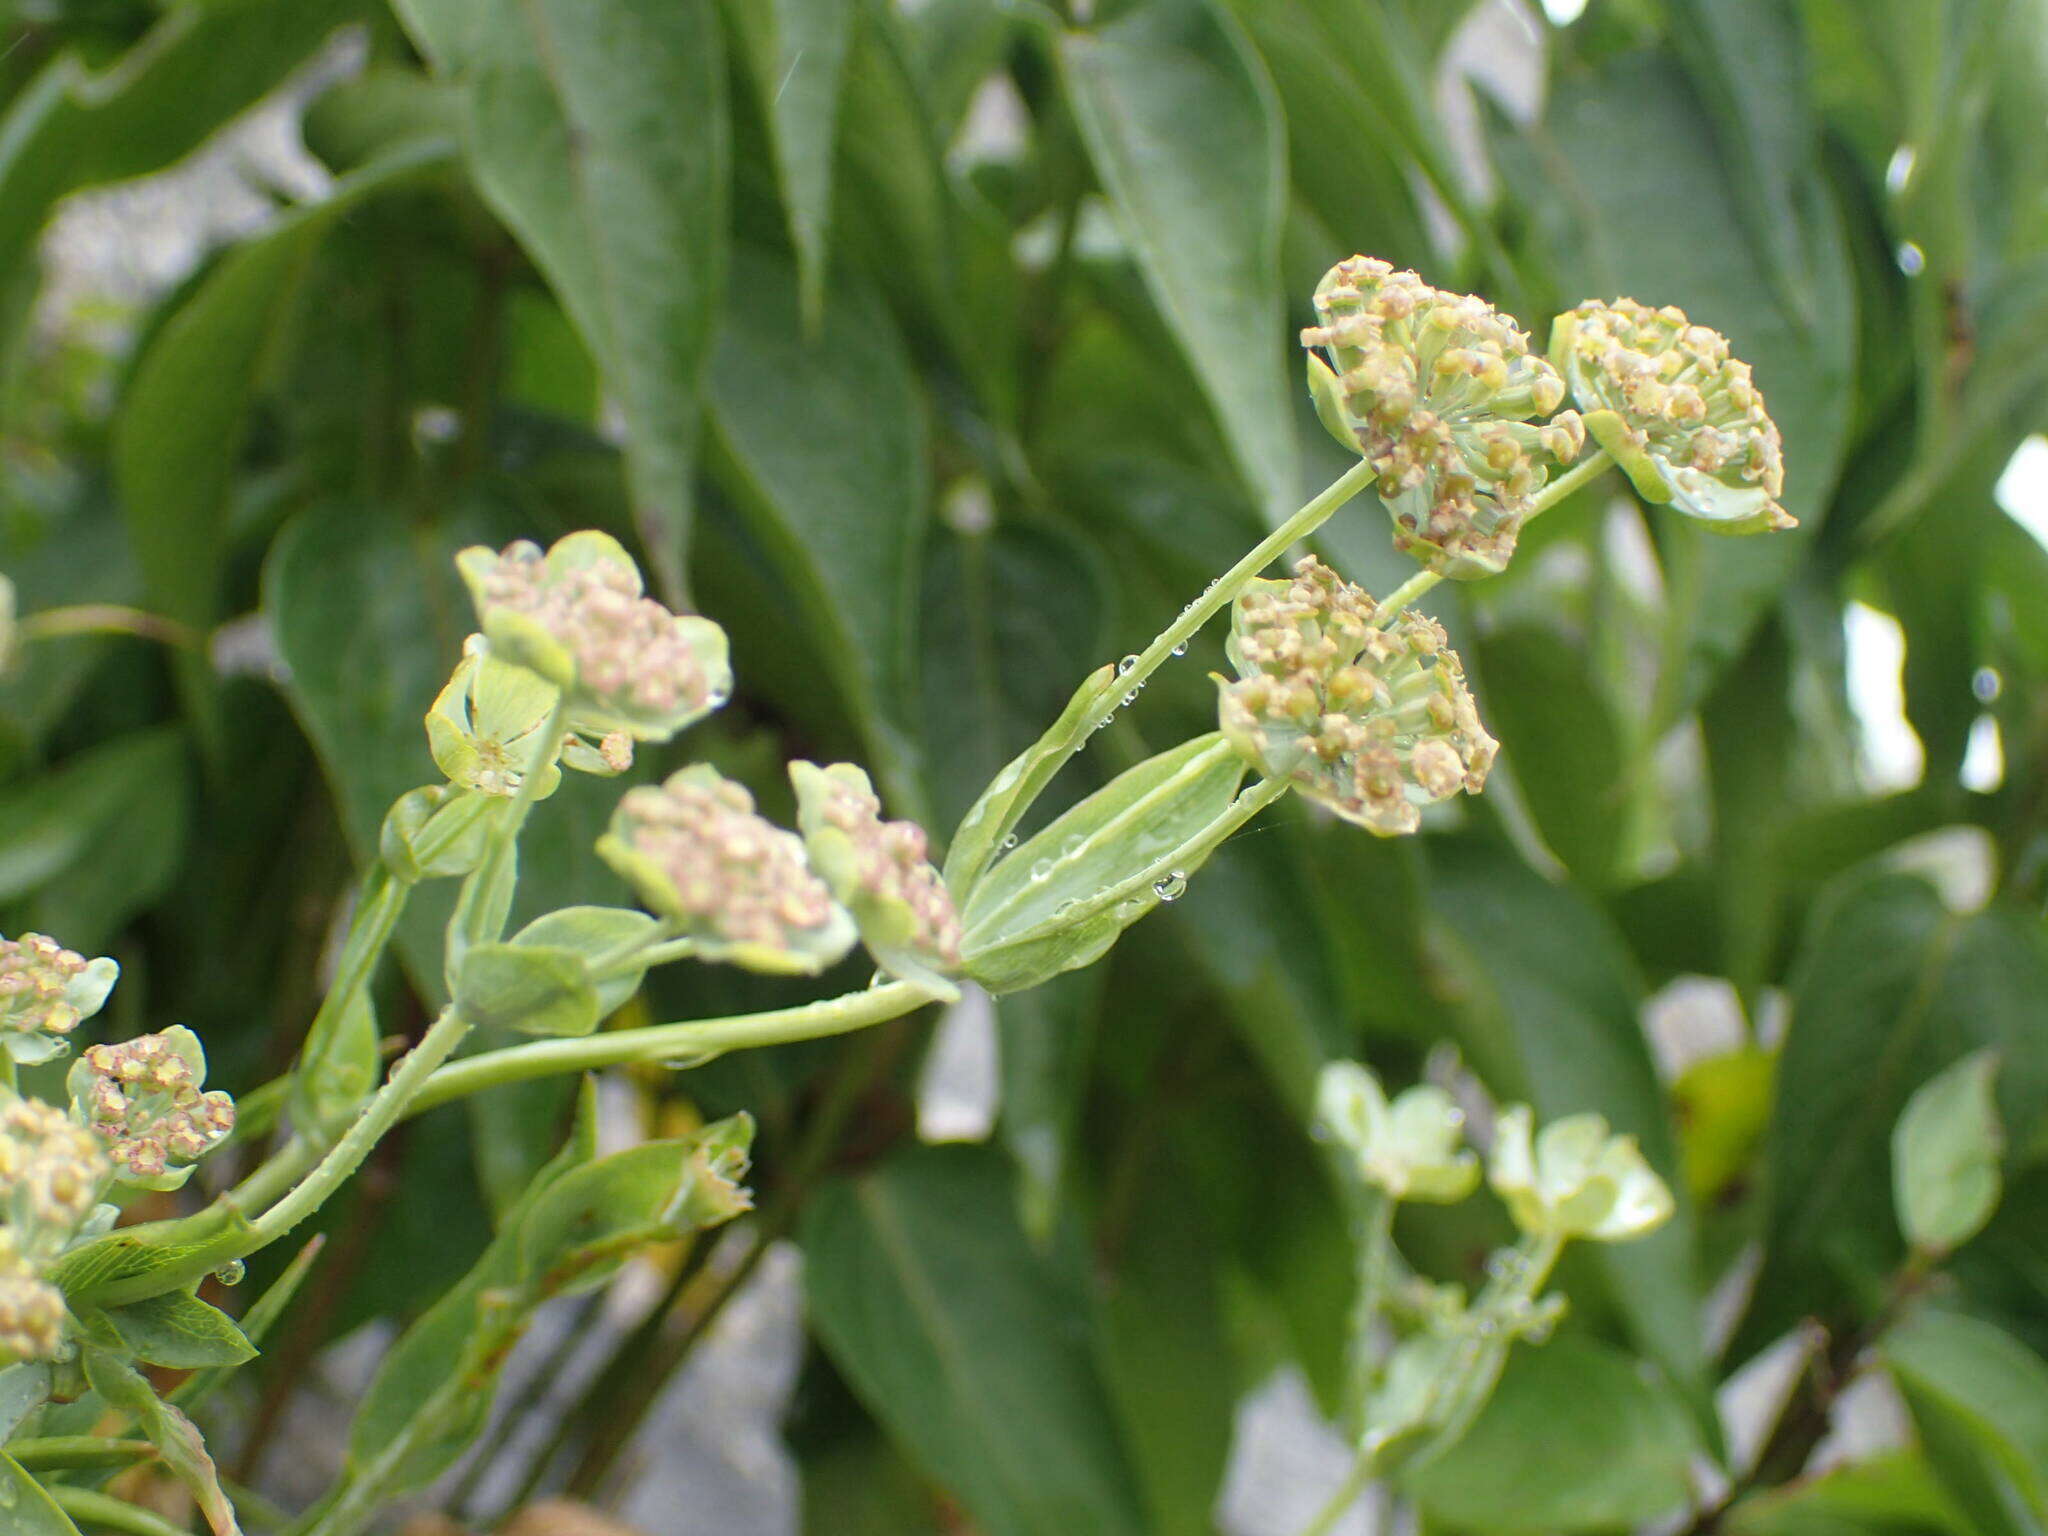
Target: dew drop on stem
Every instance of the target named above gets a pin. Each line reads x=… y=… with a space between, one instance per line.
x=1171 y=887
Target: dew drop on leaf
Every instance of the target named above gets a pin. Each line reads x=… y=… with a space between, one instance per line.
x=231 y=1273
x=1171 y=887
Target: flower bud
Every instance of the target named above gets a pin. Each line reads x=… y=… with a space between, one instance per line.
x=1374 y=723
x=50 y=1174
x=578 y=617
x=1574 y=1179
x=738 y=885
x=46 y=991
x=880 y=871
x=1439 y=392
x=145 y=1100
x=1682 y=418
x=1410 y=1147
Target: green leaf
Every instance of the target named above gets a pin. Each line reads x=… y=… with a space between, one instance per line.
x=597 y=129
x=1887 y=1495
x=1098 y=861
x=955 y=1334
x=86 y=845
x=821 y=444
x=532 y=988
x=1575 y=1438
x=117 y=1268
x=1945 y=1152
x=1045 y=1036
x=1181 y=123
x=178 y=435
x=1980 y=1401
x=1889 y=989
x=593 y=933
x=1159 y=1319
x=180 y=1332
x=796 y=52
x=1561 y=742
x=1549 y=1015
x=73 y=126
x=30 y=1510
x=175 y=1437
x=1641 y=204
x=575 y=1225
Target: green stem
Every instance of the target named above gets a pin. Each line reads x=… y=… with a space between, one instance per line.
x=1346 y=1495
x=108 y=619
x=694 y=1041
x=485 y=902
x=98 y=1509
x=369 y=933
x=1224 y=588
x=1375 y=1267
x=70 y=1453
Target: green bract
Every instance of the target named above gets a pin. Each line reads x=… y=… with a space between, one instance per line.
x=46 y=991
x=1409 y=1147
x=578 y=617
x=1681 y=417
x=1374 y=723
x=1439 y=392
x=879 y=870
x=483 y=728
x=724 y=877
x=1575 y=1179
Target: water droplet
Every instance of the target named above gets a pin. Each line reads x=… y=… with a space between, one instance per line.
x=717 y=698
x=1126 y=664
x=1071 y=846
x=1103 y=723
x=1042 y=870
x=1911 y=259
x=1010 y=841
x=1066 y=906
x=1181 y=649
x=231 y=1273
x=1130 y=698
x=1171 y=887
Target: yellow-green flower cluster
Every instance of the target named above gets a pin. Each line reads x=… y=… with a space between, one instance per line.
x=1440 y=393
x=46 y=991
x=1374 y=723
x=144 y=1099
x=578 y=616
x=881 y=870
x=51 y=1169
x=1682 y=417
x=31 y=1309
x=735 y=883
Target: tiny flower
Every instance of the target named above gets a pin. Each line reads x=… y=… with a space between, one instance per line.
x=1682 y=418
x=1574 y=1179
x=1410 y=1147
x=1439 y=392
x=46 y=990
x=32 y=1311
x=144 y=1100
x=486 y=726
x=578 y=616
x=51 y=1169
x=880 y=871
x=697 y=854
x=1374 y=723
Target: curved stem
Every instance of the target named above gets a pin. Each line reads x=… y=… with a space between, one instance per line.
x=108 y=619
x=1346 y=1495
x=69 y=1453
x=696 y=1039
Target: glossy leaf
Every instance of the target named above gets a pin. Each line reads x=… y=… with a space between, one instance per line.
x=1980 y=1401
x=28 y=1504
x=1574 y=1439
x=597 y=130
x=175 y=1437
x=955 y=1334
x=1180 y=121
x=179 y=1331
